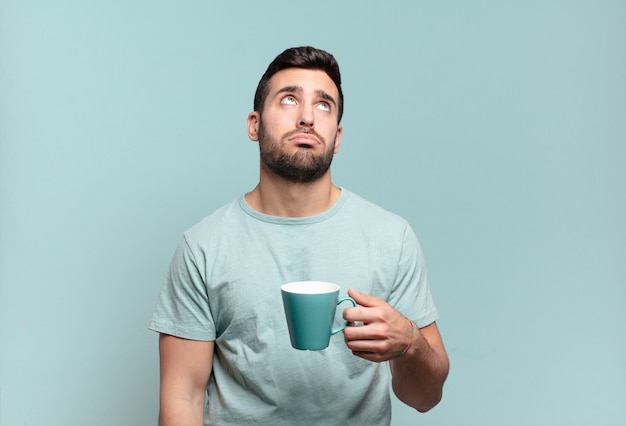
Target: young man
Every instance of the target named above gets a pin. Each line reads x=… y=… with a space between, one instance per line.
x=225 y=352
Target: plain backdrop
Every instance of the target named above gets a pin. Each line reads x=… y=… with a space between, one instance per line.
x=497 y=128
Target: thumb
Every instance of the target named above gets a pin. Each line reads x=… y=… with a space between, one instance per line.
x=364 y=299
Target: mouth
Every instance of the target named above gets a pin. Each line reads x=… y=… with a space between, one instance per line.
x=305 y=140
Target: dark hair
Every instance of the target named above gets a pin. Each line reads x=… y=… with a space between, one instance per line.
x=300 y=57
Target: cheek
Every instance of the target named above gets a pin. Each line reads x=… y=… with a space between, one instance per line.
x=330 y=133
x=278 y=124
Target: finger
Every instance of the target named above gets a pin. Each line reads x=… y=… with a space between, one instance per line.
x=370 y=356
x=357 y=333
x=361 y=314
x=370 y=350
x=365 y=299
x=370 y=338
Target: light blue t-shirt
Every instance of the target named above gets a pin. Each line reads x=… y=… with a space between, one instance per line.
x=224 y=284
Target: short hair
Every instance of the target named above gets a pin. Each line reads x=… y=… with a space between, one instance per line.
x=306 y=57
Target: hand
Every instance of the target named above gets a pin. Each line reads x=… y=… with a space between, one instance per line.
x=385 y=333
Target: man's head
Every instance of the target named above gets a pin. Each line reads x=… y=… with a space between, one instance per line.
x=305 y=57
x=297 y=108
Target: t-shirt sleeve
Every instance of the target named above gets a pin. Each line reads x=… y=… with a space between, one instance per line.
x=411 y=294
x=182 y=308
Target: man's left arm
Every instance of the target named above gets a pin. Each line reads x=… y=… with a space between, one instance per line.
x=417 y=356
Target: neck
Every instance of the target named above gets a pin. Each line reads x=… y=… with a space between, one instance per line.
x=277 y=197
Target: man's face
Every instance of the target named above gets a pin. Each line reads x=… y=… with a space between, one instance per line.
x=298 y=132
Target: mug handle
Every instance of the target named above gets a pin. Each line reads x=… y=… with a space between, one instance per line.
x=339 y=301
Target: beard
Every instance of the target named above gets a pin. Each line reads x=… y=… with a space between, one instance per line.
x=302 y=166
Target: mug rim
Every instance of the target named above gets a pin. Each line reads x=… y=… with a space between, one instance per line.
x=309 y=287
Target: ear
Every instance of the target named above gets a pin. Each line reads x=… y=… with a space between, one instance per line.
x=253 y=126
x=338 y=138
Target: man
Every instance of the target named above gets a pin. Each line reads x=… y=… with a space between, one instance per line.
x=224 y=346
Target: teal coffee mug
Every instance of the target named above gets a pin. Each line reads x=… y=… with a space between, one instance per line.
x=310 y=311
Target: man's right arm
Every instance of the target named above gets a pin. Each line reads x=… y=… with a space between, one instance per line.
x=185 y=370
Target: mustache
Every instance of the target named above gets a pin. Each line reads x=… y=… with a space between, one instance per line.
x=305 y=131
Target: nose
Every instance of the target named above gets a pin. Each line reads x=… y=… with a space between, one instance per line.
x=306 y=117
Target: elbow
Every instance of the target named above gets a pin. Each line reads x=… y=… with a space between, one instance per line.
x=422 y=398
x=428 y=404
x=425 y=392
x=422 y=401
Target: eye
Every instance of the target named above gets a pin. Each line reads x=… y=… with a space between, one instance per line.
x=288 y=100
x=324 y=106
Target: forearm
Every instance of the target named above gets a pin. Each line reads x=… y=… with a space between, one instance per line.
x=419 y=374
x=419 y=369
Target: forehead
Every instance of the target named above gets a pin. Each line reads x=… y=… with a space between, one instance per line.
x=308 y=80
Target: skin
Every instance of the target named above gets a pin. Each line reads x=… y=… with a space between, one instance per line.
x=310 y=106
x=185 y=369
x=299 y=121
x=417 y=375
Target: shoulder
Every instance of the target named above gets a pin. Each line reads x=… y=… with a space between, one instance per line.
x=364 y=210
x=225 y=218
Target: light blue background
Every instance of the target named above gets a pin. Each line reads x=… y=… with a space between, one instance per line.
x=497 y=128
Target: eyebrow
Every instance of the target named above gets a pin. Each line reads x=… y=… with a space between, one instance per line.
x=298 y=89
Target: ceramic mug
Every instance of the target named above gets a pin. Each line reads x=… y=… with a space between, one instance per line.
x=310 y=311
